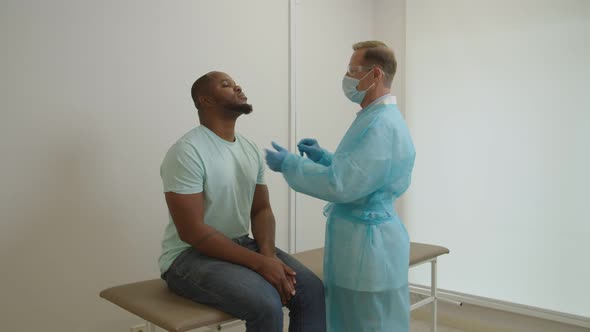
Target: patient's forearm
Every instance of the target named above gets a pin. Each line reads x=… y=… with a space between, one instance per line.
x=211 y=242
x=263 y=229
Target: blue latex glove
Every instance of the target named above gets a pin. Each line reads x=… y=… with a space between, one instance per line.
x=274 y=159
x=311 y=148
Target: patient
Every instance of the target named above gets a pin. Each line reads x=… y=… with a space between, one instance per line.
x=214 y=186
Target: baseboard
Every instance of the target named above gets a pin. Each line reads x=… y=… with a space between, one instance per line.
x=505 y=306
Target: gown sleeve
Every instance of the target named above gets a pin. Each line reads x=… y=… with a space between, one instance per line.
x=373 y=159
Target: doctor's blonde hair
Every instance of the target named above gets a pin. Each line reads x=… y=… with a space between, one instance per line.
x=379 y=54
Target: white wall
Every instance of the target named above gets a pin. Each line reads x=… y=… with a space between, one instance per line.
x=326 y=30
x=389 y=23
x=92 y=95
x=497 y=101
x=389 y=26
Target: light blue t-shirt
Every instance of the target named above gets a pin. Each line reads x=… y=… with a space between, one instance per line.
x=227 y=173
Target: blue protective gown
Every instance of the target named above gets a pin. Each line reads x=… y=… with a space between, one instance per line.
x=367 y=247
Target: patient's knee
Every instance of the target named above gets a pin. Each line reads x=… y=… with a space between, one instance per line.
x=267 y=311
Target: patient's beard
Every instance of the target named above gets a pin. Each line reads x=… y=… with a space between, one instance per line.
x=240 y=108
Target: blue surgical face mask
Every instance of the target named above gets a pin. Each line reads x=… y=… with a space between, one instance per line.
x=349 y=85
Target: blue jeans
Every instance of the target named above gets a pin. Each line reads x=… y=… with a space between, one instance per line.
x=245 y=294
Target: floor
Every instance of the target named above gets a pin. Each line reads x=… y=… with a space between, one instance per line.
x=469 y=318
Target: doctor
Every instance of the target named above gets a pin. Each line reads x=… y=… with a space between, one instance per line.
x=366 y=246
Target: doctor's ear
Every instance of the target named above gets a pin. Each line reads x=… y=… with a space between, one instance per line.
x=378 y=73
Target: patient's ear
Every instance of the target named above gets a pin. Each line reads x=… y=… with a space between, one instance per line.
x=205 y=100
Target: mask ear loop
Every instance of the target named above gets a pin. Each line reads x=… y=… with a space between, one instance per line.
x=367 y=74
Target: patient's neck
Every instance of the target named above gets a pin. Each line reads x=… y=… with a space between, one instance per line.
x=224 y=127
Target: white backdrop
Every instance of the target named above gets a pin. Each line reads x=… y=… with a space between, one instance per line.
x=497 y=101
x=326 y=31
x=93 y=93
